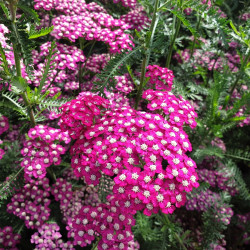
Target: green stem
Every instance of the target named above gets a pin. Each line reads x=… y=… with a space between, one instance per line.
x=94 y=247
x=197 y=27
x=178 y=25
x=145 y=61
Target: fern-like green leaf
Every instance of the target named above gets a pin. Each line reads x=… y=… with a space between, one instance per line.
x=48 y=65
x=111 y=69
x=38 y=33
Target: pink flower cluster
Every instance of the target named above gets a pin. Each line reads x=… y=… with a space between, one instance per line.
x=204 y=200
x=209 y=59
x=79 y=114
x=126 y=3
x=31 y=203
x=94 y=26
x=124 y=84
x=222 y=178
x=161 y=78
x=42 y=150
x=104 y=220
x=136 y=18
x=97 y=62
x=8 y=239
x=117 y=100
x=70 y=201
x=178 y=110
x=128 y=138
x=4 y=124
x=49 y=237
x=65 y=57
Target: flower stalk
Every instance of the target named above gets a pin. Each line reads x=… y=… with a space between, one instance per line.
x=148 y=44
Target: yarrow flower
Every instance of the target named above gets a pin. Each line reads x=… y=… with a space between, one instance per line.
x=161 y=78
x=78 y=114
x=4 y=124
x=31 y=203
x=42 y=150
x=49 y=237
x=8 y=239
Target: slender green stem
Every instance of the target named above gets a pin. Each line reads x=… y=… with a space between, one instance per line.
x=94 y=247
x=178 y=25
x=147 y=53
x=197 y=27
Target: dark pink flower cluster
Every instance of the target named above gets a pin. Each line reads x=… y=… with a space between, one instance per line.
x=42 y=150
x=97 y=62
x=70 y=201
x=65 y=57
x=80 y=113
x=245 y=16
x=49 y=237
x=126 y=3
x=135 y=140
x=71 y=85
x=31 y=203
x=124 y=84
x=104 y=220
x=94 y=26
x=116 y=100
x=4 y=124
x=8 y=239
x=161 y=78
x=136 y=18
x=68 y=7
x=178 y=110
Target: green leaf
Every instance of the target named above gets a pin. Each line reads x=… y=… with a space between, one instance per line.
x=19 y=82
x=38 y=33
x=5 y=10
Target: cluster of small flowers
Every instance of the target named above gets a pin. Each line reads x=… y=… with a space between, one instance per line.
x=42 y=150
x=8 y=239
x=97 y=62
x=207 y=59
x=126 y=3
x=79 y=113
x=116 y=100
x=68 y=7
x=245 y=16
x=136 y=18
x=204 y=200
x=70 y=201
x=65 y=57
x=49 y=237
x=31 y=203
x=201 y=201
x=71 y=85
x=106 y=220
x=124 y=84
x=179 y=110
x=94 y=26
x=4 y=124
x=223 y=179
x=123 y=137
x=161 y=78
